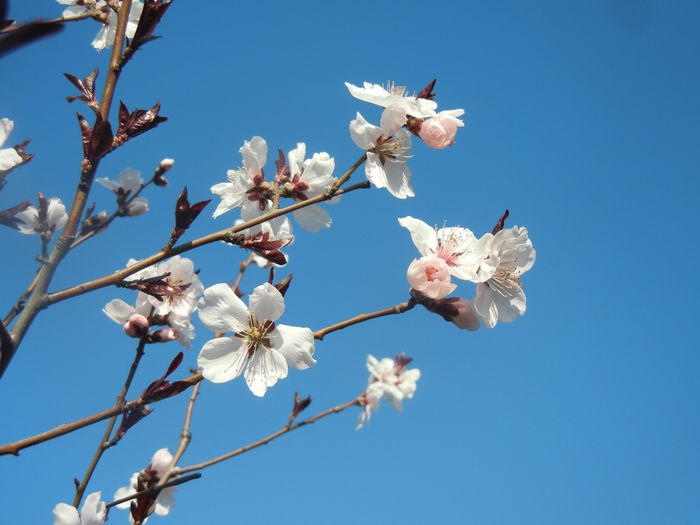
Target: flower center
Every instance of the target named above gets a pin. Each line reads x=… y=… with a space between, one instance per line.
x=395 y=149
x=506 y=280
x=257 y=334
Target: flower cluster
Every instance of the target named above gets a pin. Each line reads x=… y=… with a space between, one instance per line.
x=167 y=296
x=388 y=379
x=495 y=261
x=45 y=220
x=258 y=347
x=388 y=146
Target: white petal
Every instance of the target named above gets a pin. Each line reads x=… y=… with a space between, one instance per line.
x=161 y=460
x=221 y=310
x=254 y=154
x=485 y=305
x=313 y=218
x=266 y=303
x=398 y=178
x=393 y=118
x=123 y=492
x=118 y=311
x=295 y=158
x=264 y=369
x=65 y=515
x=130 y=180
x=6 y=127
x=296 y=344
x=9 y=158
x=165 y=501
x=374 y=170
x=70 y=12
x=94 y=511
x=364 y=134
x=422 y=235
x=56 y=215
x=222 y=359
x=29 y=220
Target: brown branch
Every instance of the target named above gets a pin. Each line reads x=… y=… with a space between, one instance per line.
x=119 y=275
x=80 y=489
x=38 y=298
x=59 y=20
x=398 y=309
x=21 y=300
x=266 y=440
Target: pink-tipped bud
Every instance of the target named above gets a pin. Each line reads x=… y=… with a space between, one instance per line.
x=164 y=335
x=430 y=275
x=136 y=326
x=439 y=131
x=161 y=170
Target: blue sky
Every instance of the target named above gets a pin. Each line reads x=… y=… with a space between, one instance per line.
x=582 y=119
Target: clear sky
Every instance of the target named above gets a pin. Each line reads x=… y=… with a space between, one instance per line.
x=582 y=119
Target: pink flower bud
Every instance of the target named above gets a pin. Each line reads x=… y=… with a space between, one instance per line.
x=430 y=275
x=164 y=335
x=136 y=326
x=165 y=165
x=439 y=131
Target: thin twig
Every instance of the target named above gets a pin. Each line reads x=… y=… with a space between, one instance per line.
x=266 y=440
x=59 y=20
x=21 y=300
x=185 y=436
x=398 y=309
x=117 y=276
x=80 y=489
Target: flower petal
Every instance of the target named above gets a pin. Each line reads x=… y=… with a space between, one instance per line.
x=313 y=218
x=264 y=369
x=94 y=511
x=266 y=303
x=422 y=235
x=296 y=344
x=118 y=311
x=65 y=514
x=222 y=359
x=221 y=310
x=363 y=134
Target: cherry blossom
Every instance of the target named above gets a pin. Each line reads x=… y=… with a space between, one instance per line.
x=390 y=379
x=308 y=179
x=258 y=345
x=9 y=158
x=105 y=36
x=50 y=216
x=159 y=466
x=465 y=255
x=247 y=186
x=127 y=184
x=278 y=228
x=393 y=94
x=388 y=149
x=94 y=512
x=184 y=287
x=501 y=297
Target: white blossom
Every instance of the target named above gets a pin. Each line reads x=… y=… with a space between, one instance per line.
x=309 y=178
x=258 y=345
x=388 y=149
x=31 y=220
x=160 y=464
x=465 y=255
x=501 y=297
x=127 y=184
x=9 y=158
x=106 y=35
x=393 y=94
x=246 y=186
x=94 y=512
x=390 y=379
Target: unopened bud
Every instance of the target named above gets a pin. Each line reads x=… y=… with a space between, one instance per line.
x=161 y=170
x=164 y=335
x=136 y=326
